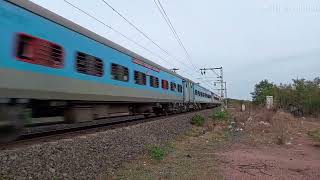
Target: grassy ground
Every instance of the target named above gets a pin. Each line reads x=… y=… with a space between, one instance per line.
x=315 y=134
x=191 y=156
x=255 y=144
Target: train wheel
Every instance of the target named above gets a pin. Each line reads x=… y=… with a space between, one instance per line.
x=11 y=123
x=9 y=133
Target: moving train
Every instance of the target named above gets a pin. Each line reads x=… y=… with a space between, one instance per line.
x=54 y=67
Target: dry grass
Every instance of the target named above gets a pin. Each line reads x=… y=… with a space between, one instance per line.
x=192 y=156
x=267 y=126
x=281 y=124
x=315 y=134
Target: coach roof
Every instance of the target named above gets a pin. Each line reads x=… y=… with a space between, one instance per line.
x=41 y=11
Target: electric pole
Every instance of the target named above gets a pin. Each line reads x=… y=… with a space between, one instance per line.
x=220 y=77
x=223 y=85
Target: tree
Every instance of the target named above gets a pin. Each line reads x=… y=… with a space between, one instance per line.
x=299 y=97
x=261 y=90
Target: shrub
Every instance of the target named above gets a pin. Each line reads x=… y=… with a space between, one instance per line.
x=197 y=120
x=301 y=97
x=157 y=153
x=221 y=115
x=315 y=134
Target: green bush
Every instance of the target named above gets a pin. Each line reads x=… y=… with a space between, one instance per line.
x=299 y=97
x=315 y=134
x=221 y=115
x=157 y=153
x=197 y=120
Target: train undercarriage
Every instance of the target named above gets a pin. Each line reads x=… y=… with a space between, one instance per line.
x=15 y=113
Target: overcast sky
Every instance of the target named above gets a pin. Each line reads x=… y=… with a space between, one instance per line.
x=253 y=40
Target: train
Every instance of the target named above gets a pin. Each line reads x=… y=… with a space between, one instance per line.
x=51 y=66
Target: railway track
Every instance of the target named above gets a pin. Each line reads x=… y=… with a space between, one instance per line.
x=39 y=134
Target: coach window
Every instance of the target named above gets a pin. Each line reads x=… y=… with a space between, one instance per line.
x=154 y=81
x=120 y=73
x=90 y=65
x=179 y=88
x=164 y=84
x=38 y=51
x=140 y=78
x=173 y=86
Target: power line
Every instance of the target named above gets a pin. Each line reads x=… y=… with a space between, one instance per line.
x=123 y=35
x=140 y=31
x=126 y=37
x=134 y=26
x=168 y=21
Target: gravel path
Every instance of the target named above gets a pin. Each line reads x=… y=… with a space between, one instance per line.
x=92 y=155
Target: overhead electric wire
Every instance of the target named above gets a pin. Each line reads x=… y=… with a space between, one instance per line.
x=123 y=35
x=126 y=37
x=140 y=31
x=168 y=21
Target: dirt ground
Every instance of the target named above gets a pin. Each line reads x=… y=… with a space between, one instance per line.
x=256 y=144
x=298 y=160
x=280 y=149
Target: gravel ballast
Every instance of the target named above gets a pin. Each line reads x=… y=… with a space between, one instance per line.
x=91 y=155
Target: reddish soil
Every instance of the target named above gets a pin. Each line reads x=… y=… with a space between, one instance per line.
x=256 y=144
x=298 y=158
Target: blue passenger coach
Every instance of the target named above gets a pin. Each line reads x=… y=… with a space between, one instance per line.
x=57 y=68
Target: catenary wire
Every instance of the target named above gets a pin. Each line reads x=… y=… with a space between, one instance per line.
x=123 y=35
x=143 y=33
x=126 y=37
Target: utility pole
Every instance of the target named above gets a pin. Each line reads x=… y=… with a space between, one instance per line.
x=225 y=94
x=221 y=82
x=223 y=85
x=224 y=89
x=220 y=77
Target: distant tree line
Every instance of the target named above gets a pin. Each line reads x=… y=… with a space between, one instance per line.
x=300 y=97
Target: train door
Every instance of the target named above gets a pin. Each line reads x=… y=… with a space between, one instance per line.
x=186 y=91
x=212 y=97
x=192 y=92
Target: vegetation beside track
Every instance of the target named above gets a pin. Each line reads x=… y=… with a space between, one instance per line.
x=301 y=97
x=219 y=147
x=191 y=155
x=315 y=134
